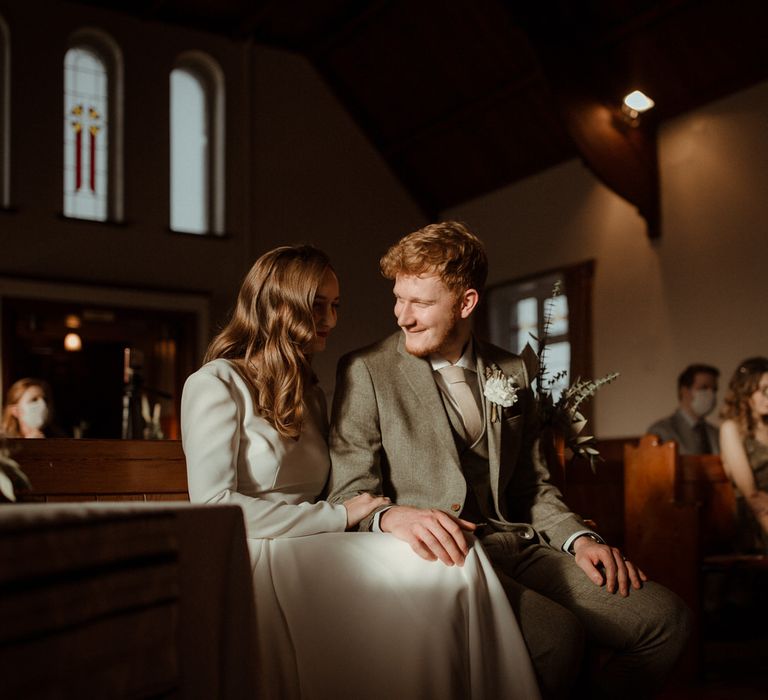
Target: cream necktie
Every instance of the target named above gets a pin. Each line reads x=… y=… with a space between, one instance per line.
x=462 y=394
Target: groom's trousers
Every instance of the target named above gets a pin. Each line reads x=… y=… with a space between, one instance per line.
x=560 y=610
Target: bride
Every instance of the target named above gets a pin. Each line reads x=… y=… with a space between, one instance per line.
x=339 y=614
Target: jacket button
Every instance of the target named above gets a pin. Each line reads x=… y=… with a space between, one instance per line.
x=455 y=507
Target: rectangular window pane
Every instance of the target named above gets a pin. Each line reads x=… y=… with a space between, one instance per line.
x=189 y=154
x=526 y=317
x=558 y=315
x=558 y=361
x=85 y=135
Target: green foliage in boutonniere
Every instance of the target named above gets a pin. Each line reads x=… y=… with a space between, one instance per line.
x=563 y=417
x=500 y=390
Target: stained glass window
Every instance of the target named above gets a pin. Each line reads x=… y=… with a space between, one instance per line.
x=86 y=134
x=190 y=153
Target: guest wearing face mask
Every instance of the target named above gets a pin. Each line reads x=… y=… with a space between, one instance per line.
x=697 y=395
x=28 y=410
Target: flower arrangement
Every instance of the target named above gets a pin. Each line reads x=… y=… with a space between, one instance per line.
x=562 y=416
x=11 y=476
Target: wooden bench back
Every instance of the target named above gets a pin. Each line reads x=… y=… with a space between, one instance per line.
x=701 y=479
x=679 y=520
x=678 y=510
x=64 y=470
x=656 y=475
x=661 y=532
x=598 y=494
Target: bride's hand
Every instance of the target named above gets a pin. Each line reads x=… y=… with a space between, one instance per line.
x=361 y=506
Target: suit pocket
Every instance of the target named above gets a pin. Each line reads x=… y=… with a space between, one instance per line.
x=511 y=422
x=511 y=436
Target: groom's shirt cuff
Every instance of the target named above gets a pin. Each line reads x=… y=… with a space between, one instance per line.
x=375 y=526
x=568 y=544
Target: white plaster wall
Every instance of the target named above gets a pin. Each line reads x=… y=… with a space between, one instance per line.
x=317 y=179
x=697 y=295
x=298 y=168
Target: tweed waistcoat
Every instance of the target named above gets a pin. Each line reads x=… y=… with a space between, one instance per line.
x=478 y=505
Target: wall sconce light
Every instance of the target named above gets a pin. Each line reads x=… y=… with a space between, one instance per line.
x=72 y=342
x=633 y=105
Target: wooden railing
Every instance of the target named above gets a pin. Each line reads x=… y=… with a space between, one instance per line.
x=62 y=470
x=155 y=470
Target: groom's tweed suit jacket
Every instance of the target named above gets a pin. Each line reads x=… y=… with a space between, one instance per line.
x=391 y=435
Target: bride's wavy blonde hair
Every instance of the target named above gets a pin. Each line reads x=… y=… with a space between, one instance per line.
x=743 y=384
x=270 y=330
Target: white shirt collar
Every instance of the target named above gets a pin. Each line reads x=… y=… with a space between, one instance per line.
x=466 y=361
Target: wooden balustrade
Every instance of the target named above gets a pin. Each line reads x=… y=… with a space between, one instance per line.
x=63 y=470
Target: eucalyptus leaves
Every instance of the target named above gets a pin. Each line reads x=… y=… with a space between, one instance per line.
x=563 y=416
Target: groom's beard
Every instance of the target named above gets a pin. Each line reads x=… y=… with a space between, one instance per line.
x=433 y=340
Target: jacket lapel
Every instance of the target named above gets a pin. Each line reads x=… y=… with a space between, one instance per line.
x=493 y=430
x=418 y=375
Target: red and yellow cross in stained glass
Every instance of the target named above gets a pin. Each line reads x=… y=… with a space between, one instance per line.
x=81 y=119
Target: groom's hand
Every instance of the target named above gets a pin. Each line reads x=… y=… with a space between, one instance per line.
x=606 y=565
x=431 y=533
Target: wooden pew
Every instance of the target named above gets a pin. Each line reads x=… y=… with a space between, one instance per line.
x=701 y=479
x=598 y=495
x=661 y=531
x=64 y=470
x=595 y=494
x=679 y=515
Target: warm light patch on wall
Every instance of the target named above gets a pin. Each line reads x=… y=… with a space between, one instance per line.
x=72 y=342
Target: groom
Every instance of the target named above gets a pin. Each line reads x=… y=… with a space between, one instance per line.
x=411 y=421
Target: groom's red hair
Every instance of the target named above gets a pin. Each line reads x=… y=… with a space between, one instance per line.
x=448 y=250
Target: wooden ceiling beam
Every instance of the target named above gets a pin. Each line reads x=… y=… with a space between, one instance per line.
x=583 y=74
x=621 y=155
x=250 y=25
x=345 y=25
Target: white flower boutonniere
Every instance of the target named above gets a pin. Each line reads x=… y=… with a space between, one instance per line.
x=500 y=390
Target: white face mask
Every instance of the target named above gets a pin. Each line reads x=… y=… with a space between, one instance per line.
x=703 y=402
x=34 y=414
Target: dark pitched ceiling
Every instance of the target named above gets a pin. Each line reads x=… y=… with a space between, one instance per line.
x=464 y=96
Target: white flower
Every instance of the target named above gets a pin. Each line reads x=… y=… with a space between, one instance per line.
x=500 y=390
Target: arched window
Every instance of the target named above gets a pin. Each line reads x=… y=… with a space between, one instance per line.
x=92 y=127
x=5 y=114
x=197 y=145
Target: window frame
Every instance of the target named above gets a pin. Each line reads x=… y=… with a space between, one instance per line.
x=208 y=71
x=107 y=49
x=577 y=286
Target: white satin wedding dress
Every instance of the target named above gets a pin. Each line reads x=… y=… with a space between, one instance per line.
x=342 y=615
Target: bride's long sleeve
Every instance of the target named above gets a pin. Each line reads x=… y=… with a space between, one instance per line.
x=215 y=443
